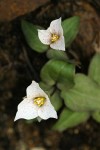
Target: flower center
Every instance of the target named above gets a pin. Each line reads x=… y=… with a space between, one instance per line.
x=39 y=101
x=54 y=38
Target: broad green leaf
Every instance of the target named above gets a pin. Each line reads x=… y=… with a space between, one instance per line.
x=94 y=68
x=84 y=96
x=70 y=119
x=71 y=28
x=57 y=54
x=56 y=100
x=31 y=36
x=96 y=116
x=57 y=70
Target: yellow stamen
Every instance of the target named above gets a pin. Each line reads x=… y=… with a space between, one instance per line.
x=39 y=101
x=54 y=38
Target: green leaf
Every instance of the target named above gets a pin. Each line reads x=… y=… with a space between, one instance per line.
x=70 y=119
x=31 y=35
x=57 y=54
x=56 y=71
x=56 y=100
x=96 y=116
x=94 y=68
x=84 y=96
x=65 y=83
x=71 y=28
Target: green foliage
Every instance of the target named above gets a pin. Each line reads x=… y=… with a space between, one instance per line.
x=31 y=36
x=71 y=28
x=54 y=54
x=81 y=93
x=94 y=73
x=84 y=96
x=55 y=71
x=96 y=116
x=70 y=119
x=56 y=100
x=94 y=68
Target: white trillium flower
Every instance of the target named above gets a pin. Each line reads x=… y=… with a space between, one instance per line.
x=53 y=36
x=35 y=105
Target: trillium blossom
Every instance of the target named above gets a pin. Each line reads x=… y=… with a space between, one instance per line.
x=35 y=105
x=53 y=36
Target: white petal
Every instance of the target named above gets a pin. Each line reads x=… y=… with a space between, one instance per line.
x=59 y=44
x=47 y=110
x=34 y=90
x=55 y=27
x=44 y=36
x=26 y=110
